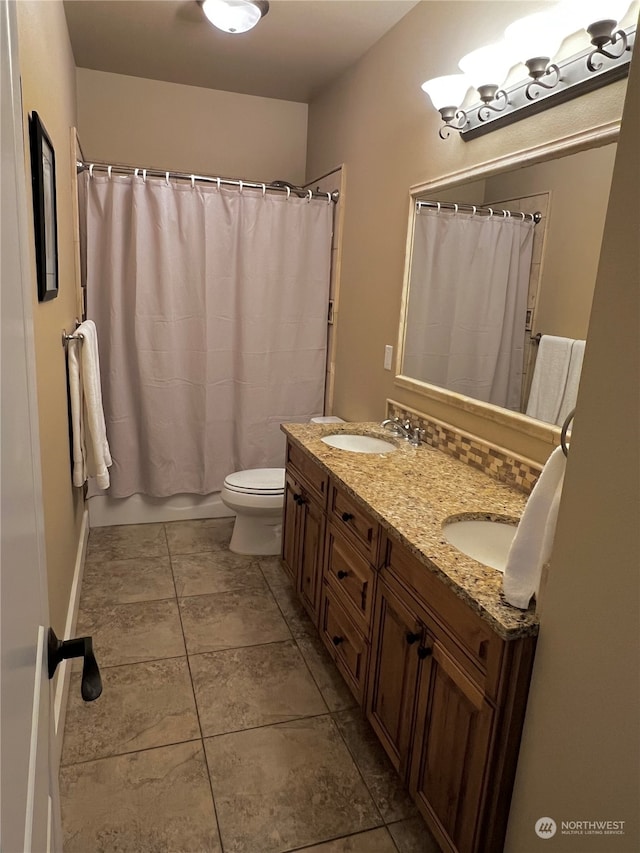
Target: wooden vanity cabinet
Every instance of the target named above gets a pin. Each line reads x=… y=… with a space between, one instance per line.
x=447 y=700
x=304 y=527
x=444 y=692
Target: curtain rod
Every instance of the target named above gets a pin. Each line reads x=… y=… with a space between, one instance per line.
x=273 y=186
x=473 y=208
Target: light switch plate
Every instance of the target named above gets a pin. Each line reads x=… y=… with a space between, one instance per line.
x=388 y=356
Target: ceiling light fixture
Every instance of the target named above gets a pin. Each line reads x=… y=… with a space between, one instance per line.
x=534 y=42
x=234 y=16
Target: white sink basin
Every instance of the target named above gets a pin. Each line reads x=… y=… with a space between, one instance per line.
x=359 y=443
x=488 y=542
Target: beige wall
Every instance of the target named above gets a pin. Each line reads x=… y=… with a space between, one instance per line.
x=48 y=86
x=579 y=186
x=580 y=756
x=159 y=125
x=377 y=121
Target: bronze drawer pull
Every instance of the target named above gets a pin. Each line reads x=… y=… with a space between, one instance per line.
x=347 y=516
x=424 y=652
x=342 y=574
x=412 y=638
x=337 y=640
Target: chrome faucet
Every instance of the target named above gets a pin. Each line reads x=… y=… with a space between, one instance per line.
x=412 y=434
x=396 y=426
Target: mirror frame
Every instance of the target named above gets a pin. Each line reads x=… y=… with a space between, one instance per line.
x=596 y=137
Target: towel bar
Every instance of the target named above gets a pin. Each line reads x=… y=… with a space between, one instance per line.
x=563 y=433
x=66 y=337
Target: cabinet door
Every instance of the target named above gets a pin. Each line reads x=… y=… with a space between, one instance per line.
x=311 y=548
x=393 y=674
x=290 y=521
x=453 y=728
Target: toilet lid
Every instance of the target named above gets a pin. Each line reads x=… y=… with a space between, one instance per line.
x=257 y=481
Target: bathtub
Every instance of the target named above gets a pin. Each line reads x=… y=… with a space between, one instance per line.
x=140 y=509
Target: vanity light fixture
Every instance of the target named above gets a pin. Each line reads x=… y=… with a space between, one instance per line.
x=445 y=92
x=534 y=42
x=234 y=16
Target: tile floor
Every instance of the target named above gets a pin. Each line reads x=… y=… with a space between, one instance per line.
x=223 y=725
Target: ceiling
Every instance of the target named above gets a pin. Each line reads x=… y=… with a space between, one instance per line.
x=297 y=49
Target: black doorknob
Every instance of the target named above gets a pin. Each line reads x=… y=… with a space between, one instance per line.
x=337 y=640
x=341 y=574
x=412 y=638
x=424 y=652
x=347 y=516
x=80 y=647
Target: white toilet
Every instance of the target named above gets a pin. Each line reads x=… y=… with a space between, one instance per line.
x=257 y=498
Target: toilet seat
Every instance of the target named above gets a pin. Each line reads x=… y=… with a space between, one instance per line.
x=256 y=481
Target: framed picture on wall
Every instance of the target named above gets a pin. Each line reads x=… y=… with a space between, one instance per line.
x=43 y=183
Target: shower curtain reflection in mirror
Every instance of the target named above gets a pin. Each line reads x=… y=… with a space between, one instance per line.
x=467 y=303
x=211 y=311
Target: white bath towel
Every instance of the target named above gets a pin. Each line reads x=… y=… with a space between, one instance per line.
x=549 y=378
x=531 y=546
x=573 y=381
x=91 y=456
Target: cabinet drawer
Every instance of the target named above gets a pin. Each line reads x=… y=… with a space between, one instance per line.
x=350 y=517
x=351 y=578
x=314 y=476
x=345 y=642
x=483 y=648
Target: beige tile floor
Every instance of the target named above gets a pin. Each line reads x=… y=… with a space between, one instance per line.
x=223 y=725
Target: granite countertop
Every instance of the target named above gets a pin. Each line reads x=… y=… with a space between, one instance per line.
x=411 y=492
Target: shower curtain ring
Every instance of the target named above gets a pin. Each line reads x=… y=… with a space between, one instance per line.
x=309 y=196
x=193 y=182
x=135 y=173
x=109 y=168
x=144 y=175
x=490 y=213
x=506 y=214
x=166 y=177
x=455 y=208
x=91 y=170
x=474 y=209
x=288 y=193
x=438 y=203
x=218 y=181
x=524 y=216
x=328 y=198
x=264 y=191
x=240 y=185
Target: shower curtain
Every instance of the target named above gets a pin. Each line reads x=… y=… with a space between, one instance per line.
x=211 y=310
x=467 y=304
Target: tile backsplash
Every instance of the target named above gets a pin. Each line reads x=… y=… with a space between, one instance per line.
x=498 y=463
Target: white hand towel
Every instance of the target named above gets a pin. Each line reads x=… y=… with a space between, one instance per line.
x=91 y=455
x=77 y=406
x=573 y=381
x=531 y=546
x=549 y=378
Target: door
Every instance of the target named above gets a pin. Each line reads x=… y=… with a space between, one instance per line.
x=311 y=545
x=393 y=678
x=449 y=757
x=29 y=812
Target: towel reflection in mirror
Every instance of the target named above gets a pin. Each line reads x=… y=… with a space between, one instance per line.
x=556 y=376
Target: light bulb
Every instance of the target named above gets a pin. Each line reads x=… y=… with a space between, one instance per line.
x=447 y=91
x=489 y=65
x=232 y=16
x=537 y=35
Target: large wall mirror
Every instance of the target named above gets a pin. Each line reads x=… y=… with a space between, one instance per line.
x=479 y=271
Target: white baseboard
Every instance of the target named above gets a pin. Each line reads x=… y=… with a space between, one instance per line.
x=63 y=675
